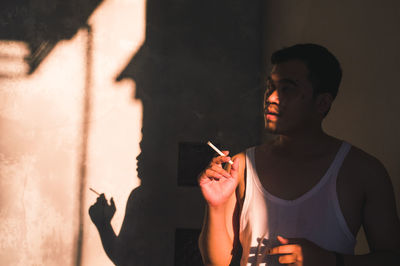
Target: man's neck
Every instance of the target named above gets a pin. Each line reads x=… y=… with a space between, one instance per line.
x=307 y=143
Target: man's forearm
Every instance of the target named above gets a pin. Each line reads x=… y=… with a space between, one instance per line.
x=109 y=241
x=214 y=242
x=376 y=258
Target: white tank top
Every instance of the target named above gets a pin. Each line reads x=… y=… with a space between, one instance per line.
x=316 y=215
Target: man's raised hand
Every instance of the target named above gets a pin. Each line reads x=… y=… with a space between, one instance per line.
x=218 y=184
x=101 y=212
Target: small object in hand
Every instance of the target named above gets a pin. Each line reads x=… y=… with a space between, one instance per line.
x=217 y=150
x=94 y=191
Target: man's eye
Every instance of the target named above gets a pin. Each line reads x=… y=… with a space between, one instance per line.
x=287 y=89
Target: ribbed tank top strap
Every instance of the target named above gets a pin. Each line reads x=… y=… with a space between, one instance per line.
x=344 y=150
x=338 y=161
x=249 y=185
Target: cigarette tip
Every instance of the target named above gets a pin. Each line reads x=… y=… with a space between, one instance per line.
x=94 y=191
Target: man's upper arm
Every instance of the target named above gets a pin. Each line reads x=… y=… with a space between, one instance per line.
x=380 y=219
x=234 y=209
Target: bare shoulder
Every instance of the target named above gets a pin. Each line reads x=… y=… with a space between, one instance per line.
x=241 y=155
x=242 y=169
x=242 y=160
x=367 y=169
x=379 y=209
x=364 y=160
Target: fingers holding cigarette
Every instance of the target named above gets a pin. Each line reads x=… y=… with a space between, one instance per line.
x=220 y=152
x=101 y=212
x=218 y=182
x=216 y=171
x=221 y=159
x=101 y=199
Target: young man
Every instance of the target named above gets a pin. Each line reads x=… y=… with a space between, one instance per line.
x=301 y=198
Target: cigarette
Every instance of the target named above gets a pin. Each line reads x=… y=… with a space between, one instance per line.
x=217 y=150
x=94 y=191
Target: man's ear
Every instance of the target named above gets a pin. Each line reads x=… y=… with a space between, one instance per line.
x=323 y=103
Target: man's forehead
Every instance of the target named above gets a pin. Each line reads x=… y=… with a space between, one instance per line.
x=294 y=70
x=276 y=79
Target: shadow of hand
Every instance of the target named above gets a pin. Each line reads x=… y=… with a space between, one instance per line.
x=101 y=212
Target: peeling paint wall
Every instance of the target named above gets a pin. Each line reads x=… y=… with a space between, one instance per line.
x=40 y=124
x=152 y=72
x=41 y=118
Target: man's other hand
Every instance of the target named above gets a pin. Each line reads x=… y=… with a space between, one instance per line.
x=302 y=252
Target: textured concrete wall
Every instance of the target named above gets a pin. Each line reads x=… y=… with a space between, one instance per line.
x=141 y=78
x=42 y=121
x=364 y=36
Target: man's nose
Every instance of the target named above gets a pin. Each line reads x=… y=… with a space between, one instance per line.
x=274 y=97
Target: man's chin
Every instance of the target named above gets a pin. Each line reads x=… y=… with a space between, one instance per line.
x=271 y=127
x=273 y=131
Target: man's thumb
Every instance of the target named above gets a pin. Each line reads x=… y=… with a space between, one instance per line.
x=282 y=240
x=112 y=202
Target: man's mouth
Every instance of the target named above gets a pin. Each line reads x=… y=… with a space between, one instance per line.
x=271 y=112
x=271 y=115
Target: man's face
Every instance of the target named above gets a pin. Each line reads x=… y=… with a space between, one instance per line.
x=289 y=105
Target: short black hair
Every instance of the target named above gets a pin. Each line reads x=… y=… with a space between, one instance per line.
x=324 y=68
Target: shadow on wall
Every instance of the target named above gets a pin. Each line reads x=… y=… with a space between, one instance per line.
x=198 y=77
x=42 y=24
